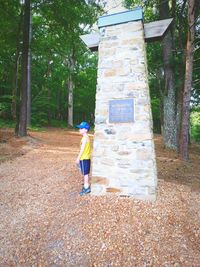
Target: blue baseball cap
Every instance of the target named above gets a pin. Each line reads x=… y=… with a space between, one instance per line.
x=83 y=125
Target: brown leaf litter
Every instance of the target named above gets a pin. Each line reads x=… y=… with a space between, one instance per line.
x=44 y=221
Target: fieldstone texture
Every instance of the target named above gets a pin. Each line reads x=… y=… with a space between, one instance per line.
x=123 y=153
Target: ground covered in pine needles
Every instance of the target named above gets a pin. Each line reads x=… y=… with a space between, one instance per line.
x=44 y=221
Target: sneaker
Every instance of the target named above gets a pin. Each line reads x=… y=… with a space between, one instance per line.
x=85 y=191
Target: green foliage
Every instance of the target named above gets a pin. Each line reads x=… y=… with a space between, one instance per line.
x=56 y=29
x=58 y=123
x=195 y=124
x=34 y=127
x=155 y=107
x=84 y=94
x=6 y=123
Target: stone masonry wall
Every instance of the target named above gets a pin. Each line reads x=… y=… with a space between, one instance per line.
x=123 y=153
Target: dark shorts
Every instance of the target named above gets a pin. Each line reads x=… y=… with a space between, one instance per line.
x=85 y=166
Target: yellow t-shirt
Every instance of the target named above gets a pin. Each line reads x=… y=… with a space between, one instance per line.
x=87 y=150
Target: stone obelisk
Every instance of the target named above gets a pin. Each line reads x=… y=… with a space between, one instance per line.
x=123 y=153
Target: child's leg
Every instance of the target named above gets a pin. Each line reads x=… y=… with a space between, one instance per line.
x=85 y=169
x=86 y=181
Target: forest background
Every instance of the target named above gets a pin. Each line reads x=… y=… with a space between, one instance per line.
x=48 y=77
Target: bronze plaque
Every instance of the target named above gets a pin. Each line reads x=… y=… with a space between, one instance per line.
x=121 y=110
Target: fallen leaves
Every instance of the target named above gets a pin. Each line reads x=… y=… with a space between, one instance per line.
x=44 y=221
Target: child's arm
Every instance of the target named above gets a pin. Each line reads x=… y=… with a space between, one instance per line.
x=81 y=150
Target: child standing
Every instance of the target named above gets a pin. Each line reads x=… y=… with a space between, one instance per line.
x=84 y=155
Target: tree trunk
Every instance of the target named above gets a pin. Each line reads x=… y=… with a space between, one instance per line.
x=179 y=103
x=184 y=138
x=58 y=114
x=29 y=76
x=159 y=79
x=22 y=131
x=15 y=87
x=70 y=101
x=169 y=98
x=49 y=113
x=70 y=91
x=16 y=68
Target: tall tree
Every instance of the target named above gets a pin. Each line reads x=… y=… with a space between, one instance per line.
x=16 y=69
x=57 y=25
x=29 y=75
x=169 y=96
x=184 y=137
x=70 y=87
x=10 y=40
x=22 y=130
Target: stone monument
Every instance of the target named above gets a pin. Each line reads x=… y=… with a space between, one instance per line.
x=123 y=159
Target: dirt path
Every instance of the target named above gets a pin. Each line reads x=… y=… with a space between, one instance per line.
x=44 y=221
